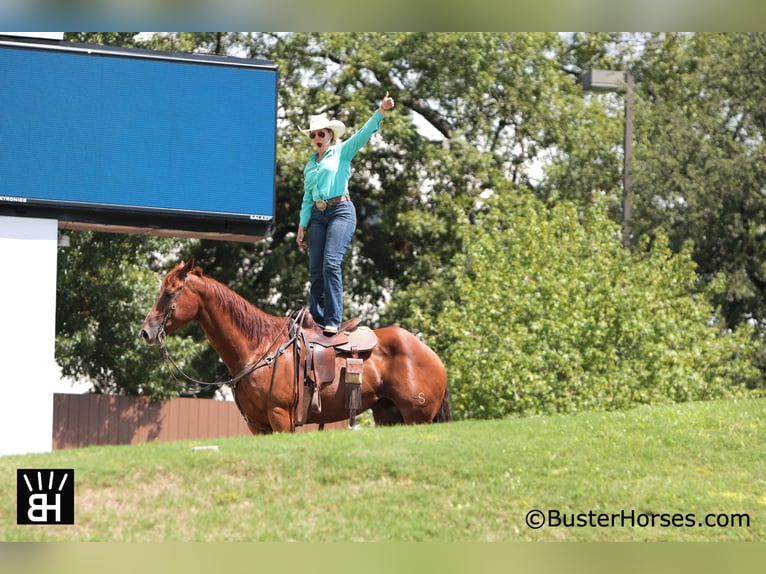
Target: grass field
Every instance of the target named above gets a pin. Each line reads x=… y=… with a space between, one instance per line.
x=626 y=476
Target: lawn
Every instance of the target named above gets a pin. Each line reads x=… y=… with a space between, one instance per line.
x=648 y=474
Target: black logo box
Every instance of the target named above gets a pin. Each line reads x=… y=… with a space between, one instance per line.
x=45 y=496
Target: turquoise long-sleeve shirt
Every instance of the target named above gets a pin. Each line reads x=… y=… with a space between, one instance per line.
x=329 y=177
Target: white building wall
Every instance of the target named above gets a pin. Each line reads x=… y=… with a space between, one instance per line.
x=28 y=370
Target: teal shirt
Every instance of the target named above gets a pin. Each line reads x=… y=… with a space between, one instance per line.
x=329 y=177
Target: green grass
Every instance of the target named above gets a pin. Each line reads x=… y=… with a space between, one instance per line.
x=465 y=481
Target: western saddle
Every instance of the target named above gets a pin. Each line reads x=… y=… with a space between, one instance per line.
x=321 y=359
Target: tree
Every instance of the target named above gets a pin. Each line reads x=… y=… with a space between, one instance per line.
x=544 y=311
x=701 y=164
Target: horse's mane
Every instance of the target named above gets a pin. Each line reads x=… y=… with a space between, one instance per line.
x=250 y=321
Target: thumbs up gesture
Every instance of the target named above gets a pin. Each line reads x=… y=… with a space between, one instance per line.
x=386 y=104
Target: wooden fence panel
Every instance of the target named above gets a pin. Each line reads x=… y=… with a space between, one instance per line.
x=90 y=419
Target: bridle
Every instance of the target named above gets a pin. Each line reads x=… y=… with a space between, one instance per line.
x=162 y=333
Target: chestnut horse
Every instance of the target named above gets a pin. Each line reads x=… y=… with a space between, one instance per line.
x=403 y=380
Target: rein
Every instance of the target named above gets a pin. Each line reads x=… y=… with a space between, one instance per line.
x=264 y=360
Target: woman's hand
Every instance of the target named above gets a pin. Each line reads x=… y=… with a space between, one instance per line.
x=386 y=104
x=300 y=240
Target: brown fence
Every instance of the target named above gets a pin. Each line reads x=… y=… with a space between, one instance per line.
x=84 y=420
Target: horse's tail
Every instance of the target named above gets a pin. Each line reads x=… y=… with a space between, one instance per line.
x=444 y=414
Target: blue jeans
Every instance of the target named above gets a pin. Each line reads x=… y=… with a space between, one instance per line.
x=330 y=234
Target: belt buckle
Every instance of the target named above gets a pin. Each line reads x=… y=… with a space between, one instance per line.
x=321 y=204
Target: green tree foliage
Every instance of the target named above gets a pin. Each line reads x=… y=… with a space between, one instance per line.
x=544 y=311
x=701 y=158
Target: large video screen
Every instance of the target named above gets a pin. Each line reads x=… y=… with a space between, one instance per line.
x=141 y=141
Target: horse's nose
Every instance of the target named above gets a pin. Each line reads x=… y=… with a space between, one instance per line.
x=144 y=334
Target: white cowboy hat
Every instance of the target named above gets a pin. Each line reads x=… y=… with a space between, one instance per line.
x=322 y=121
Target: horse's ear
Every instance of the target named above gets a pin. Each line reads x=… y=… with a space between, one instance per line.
x=188 y=266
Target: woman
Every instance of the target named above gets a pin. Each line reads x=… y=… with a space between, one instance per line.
x=328 y=212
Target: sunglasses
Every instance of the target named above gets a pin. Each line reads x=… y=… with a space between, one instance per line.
x=313 y=135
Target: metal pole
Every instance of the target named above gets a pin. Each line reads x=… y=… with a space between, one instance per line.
x=627 y=195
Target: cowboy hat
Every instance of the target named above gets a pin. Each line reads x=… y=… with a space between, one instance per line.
x=323 y=122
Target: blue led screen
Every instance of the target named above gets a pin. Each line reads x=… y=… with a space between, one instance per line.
x=138 y=133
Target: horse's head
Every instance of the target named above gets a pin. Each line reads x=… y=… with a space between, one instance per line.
x=174 y=307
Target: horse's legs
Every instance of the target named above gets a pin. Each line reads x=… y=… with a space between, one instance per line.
x=385 y=413
x=281 y=420
x=257 y=429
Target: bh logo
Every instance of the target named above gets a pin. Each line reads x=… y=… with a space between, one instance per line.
x=45 y=496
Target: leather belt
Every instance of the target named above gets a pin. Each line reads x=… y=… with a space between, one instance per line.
x=322 y=204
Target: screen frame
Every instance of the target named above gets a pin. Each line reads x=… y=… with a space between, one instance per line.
x=129 y=218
